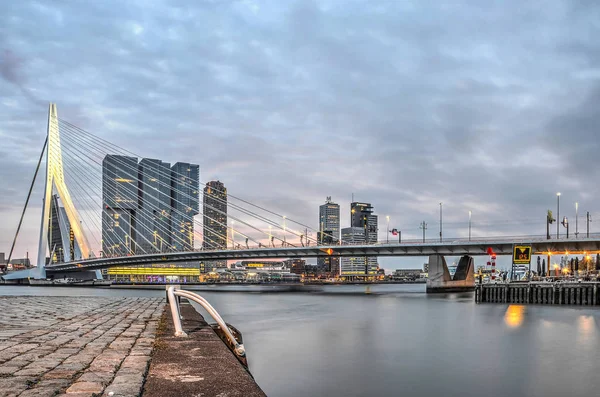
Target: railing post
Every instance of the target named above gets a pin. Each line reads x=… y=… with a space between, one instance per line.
x=175 y=312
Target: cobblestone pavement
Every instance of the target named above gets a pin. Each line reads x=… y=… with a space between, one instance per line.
x=76 y=346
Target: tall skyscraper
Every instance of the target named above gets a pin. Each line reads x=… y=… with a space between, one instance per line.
x=361 y=218
x=185 y=203
x=215 y=219
x=120 y=202
x=61 y=240
x=329 y=219
x=148 y=207
x=359 y=266
x=329 y=234
x=361 y=215
x=154 y=206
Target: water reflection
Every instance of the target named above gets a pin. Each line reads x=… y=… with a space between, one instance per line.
x=586 y=327
x=340 y=341
x=514 y=316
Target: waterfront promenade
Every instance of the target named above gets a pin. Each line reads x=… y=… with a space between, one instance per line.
x=111 y=346
x=76 y=346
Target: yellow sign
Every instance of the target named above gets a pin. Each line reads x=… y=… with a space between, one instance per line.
x=522 y=254
x=255 y=265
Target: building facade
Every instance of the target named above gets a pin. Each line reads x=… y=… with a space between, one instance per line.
x=361 y=215
x=120 y=203
x=329 y=234
x=185 y=203
x=214 y=208
x=360 y=266
x=61 y=240
x=363 y=219
x=148 y=206
x=154 y=206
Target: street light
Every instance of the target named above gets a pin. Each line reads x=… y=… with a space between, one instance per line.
x=576 y=220
x=440 y=222
x=557 y=215
x=388 y=229
x=470 y=213
x=270 y=234
x=232 y=235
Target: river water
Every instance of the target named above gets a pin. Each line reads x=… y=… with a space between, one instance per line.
x=394 y=340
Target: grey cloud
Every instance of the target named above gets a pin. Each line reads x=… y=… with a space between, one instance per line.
x=481 y=107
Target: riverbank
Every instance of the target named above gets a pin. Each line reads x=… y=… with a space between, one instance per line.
x=200 y=364
x=107 y=284
x=84 y=346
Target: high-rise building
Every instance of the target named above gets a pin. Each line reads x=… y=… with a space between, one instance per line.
x=359 y=266
x=215 y=219
x=329 y=219
x=361 y=215
x=120 y=203
x=329 y=234
x=185 y=203
x=61 y=240
x=154 y=206
x=148 y=207
x=363 y=219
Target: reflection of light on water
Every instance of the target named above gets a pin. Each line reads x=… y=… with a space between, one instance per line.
x=586 y=325
x=514 y=316
x=368 y=289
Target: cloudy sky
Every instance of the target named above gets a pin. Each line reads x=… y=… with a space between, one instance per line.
x=485 y=106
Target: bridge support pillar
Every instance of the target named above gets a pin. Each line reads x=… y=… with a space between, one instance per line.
x=440 y=279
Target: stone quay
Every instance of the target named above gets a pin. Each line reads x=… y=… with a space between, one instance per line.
x=100 y=346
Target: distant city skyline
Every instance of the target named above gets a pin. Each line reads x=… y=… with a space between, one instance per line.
x=148 y=206
x=288 y=102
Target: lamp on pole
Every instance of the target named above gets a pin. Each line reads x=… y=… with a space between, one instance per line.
x=576 y=220
x=440 y=222
x=232 y=236
x=388 y=229
x=470 y=213
x=557 y=215
x=270 y=234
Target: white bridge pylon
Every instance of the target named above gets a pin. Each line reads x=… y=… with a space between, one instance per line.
x=55 y=179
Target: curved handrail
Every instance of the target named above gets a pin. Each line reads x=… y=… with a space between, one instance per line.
x=172 y=292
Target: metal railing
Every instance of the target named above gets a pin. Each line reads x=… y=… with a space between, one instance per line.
x=173 y=292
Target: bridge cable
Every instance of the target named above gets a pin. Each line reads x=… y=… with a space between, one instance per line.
x=164 y=230
x=229 y=195
x=216 y=209
x=37 y=168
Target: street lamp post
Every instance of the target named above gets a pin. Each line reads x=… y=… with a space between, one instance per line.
x=440 y=222
x=576 y=220
x=470 y=213
x=388 y=229
x=232 y=236
x=557 y=215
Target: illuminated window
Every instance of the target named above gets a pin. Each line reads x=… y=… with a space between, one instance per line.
x=116 y=216
x=116 y=224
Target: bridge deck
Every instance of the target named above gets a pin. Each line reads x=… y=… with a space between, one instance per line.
x=447 y=248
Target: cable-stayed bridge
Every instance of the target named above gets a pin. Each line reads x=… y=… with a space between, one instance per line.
x=93 y=188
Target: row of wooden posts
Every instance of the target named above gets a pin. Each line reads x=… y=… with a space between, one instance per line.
x=585 y=294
